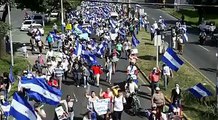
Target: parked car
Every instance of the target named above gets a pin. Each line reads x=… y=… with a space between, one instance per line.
x=33 y=28
x=52 y=16
x=26 y=24
x=38 y=18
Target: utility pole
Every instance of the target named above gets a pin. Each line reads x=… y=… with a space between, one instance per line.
x=10 y=34
x=216 y=35
x=62 y=12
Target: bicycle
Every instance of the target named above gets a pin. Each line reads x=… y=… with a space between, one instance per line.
x=135 y=103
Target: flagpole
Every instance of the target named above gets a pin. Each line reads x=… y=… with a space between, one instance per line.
x=216 y=75
x=157 y=55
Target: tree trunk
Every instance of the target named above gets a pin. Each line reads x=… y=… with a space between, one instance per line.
x=2 y=46
x=200 y=13
x=5 y=13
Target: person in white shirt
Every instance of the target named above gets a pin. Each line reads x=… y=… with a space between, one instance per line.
x=118 y=101
x=155 y=25
x=49 y=54
x=131 y=87
x=24 y=51
x=68 y=103
x=132 y=72
x=65 y=65
x=167 y=74
x=108 y=65
x=127 y=48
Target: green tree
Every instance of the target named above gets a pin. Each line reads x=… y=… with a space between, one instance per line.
x=3 y=31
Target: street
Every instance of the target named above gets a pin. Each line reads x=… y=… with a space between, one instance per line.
x=203 y=58
x=68 y=86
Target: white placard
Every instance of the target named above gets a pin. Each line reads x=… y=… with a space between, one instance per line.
x=60 y=113
x=141 y=11
x=157 y=40
x=101 y=106
x=134 y=51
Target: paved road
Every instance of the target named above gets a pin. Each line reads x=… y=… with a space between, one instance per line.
x=69 y=88
x=201 y=57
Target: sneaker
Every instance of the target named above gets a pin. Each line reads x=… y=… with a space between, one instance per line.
x=77 y=86
x=84 y=86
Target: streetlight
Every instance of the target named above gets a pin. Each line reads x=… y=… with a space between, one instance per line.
x=62 y=12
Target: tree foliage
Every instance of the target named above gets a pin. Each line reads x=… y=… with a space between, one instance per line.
x=46 y=5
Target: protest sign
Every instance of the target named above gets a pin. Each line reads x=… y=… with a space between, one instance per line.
x=101 y=106
x=61 y=113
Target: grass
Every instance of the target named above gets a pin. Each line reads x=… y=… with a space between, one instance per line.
x=20 y=65
x=191 y=15
x=186 y=77
x=49 y=27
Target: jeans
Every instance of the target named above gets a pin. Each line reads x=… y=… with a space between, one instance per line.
x=117 y=115
x=71 y=115
x=85 y=80
x=153 y=86
x=166 y=81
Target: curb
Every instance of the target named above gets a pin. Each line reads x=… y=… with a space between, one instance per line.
x=166 y=98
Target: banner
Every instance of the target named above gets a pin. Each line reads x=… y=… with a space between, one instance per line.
x=101 y=106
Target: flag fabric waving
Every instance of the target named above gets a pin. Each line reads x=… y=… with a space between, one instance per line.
x=11 y=76
x=78 y=49
x=200 y=91
x=6 y=108
x=171 y=59
x=135 y=41
x=38 y=89
x=20 y=108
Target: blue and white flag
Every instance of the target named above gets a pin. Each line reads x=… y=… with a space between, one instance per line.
x=113 y=23
x=78 y=49
x=38 y=89
x=6 y=108
x=200 y=91
x=135 y=41
x=55 y=36
x=11 y=75
x=171 y=59
x=101 y=48
x=90 y=58
x=20 y=108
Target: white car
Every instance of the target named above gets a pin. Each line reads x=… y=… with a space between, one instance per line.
x=33 y=28
x=26 y=24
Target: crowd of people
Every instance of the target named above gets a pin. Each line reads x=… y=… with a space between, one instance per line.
x=76 y=50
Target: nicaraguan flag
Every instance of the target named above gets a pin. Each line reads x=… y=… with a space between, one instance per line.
x=11 y=76
x=20 y=108
x=113 y=23
x=135 y=41
x=38 y=89
x=78 y=50
x=171 y=59
x=101 y=48
x=6 y=108
x=55 y=36
x=200 y=91
x=90 y=58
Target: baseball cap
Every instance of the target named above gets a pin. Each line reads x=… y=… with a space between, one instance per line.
x=157 y=88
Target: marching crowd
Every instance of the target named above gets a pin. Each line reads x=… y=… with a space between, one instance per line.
x=91 y=34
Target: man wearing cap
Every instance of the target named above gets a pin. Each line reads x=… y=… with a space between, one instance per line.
x=159 y=100
x=154 y=77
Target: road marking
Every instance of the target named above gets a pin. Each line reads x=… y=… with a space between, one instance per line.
x=153 y=18
x=204 y=48
x=207 y=79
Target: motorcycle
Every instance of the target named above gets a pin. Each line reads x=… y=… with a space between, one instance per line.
x=202 y=38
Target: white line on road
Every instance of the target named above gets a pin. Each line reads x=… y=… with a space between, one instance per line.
x=204 y=48
x=153 y=18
